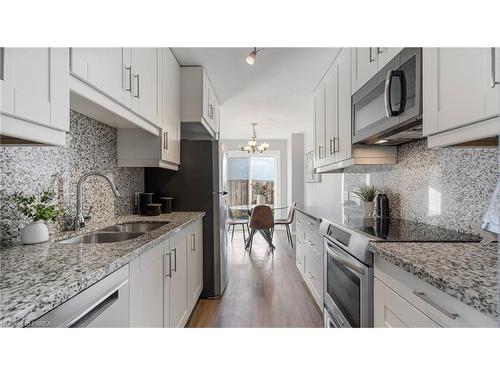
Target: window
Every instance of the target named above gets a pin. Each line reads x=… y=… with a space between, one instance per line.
x=249 y=176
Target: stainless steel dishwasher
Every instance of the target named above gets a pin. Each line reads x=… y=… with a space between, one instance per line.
x=104 y=304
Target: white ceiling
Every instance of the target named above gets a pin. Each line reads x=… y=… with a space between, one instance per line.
x=276 y=92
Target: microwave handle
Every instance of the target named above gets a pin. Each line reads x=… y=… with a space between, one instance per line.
x=387 y=92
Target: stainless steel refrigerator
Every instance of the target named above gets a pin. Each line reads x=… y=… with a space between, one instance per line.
x=200 y=185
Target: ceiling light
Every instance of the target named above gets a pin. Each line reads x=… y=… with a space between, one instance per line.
x=253 y=55
x=382 y=141
x=252 y=144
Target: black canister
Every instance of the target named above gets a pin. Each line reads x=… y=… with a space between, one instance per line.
x=384 y=206
x=144 y=200
x=378 y=208
x=166 y=204
x=154 y=209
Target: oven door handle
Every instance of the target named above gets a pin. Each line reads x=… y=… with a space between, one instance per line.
x=345 y=261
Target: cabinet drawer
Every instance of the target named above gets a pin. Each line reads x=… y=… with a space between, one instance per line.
x=393 y=311
x=313 y=274
x=315 y=242
x=431 y=301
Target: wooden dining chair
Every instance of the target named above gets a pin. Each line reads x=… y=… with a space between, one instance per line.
x=262 y=220
x=286 y=222
x=233 y=221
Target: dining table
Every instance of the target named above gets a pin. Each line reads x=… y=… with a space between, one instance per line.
x=250 y=207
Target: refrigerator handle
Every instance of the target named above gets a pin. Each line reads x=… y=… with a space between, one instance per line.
x=222 y=193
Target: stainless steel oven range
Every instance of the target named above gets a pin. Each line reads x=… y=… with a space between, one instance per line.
x=348 y=278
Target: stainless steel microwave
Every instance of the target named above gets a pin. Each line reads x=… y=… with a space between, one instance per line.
x=388 y=108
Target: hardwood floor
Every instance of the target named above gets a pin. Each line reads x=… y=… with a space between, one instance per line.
x=264 y=290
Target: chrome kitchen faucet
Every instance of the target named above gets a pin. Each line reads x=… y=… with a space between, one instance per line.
x=80 y=218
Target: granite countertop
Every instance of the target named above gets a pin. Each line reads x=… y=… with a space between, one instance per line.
x=310 y=211
x=35 y=279
x=466 y=271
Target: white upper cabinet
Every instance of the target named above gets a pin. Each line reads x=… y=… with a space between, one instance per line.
x=137 y=148
x=343 y=143
x=364 y=66
x=331 y=113
x=144 y=76
x=171 y=107
x=100 y=67
x=199 y=103
x=386 y=54
x=34 y=95
x=460 y=100
x=366 y=62
x=117 y=86
x=319 y=124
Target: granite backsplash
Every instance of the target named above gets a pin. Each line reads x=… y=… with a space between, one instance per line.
x=448 y=187
x=90 y=146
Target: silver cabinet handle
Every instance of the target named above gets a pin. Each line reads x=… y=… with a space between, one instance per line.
x=138 y=80
x=211 y=111
x=494 y=81
x=332 y=145
x=169 y=268
x=426 y=299
x=175 y=259
x=129 y=70
x=371 y=57
x=308 y=222
x=193 y=243
x=309 y=243
x=310 y=275
x=165 y=140
x=319 y=152
x=2 y=64
x=379 y=50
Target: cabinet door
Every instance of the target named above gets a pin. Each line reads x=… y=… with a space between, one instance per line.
x=331 y=113
x=319 y=125
x=457 y=88
x=146 y=289
x=343 y=143
x=299 y=247
x=206 y=98
x=392 y=311
x=102 y=68
x=195 y=264
x=34 y=86
x=364 y=66
x=386 y=54
x=171 y=107
x=144 y=62
x=178 y=282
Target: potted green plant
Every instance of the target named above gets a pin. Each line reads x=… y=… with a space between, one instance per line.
x=40 y=209
x=367 y=195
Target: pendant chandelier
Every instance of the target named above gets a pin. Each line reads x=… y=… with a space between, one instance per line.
x=252 y=147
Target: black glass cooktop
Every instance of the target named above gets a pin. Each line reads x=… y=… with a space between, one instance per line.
x=406 y=231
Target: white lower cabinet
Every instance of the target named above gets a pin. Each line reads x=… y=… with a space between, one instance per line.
x=178 y=295
x=166 y=281
x=195 y=264
x=403 y=300
x=34 y=95
x=309 y=255
x=393 y=311
x=146 y=288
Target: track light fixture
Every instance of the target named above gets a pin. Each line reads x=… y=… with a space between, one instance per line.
x=253 y=55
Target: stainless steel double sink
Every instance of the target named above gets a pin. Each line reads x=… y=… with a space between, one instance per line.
x=117 y=232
